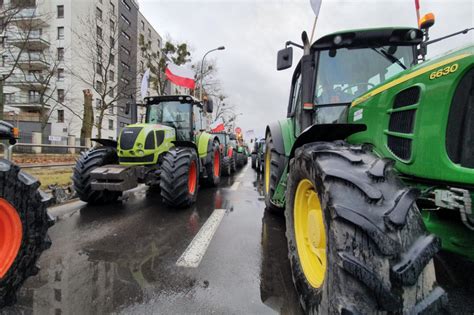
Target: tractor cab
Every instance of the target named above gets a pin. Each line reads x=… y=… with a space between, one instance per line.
x=338 y=68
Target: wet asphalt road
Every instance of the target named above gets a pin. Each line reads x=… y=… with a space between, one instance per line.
x=122 y=259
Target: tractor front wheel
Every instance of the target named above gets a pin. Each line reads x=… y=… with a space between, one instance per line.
x=179 y=177
x=356 y=240
x=81 y=177
x=226 y=166
x=24 y=223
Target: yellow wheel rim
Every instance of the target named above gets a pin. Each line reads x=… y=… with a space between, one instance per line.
x=267 y=170
x=310 y=233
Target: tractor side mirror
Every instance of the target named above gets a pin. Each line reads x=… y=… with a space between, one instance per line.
x=209 y=106
x=285 y=58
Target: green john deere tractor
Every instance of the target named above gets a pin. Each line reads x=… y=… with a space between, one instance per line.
x=24 y=223
x=373 y=134
x=171 y=150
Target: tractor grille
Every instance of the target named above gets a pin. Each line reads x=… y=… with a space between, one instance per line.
x=403 y=121
x=128 y=137
x=160 y=137
x=150 y=141
x=407 y=97
x=401 y=147
x=141 y=159
x=460 y=129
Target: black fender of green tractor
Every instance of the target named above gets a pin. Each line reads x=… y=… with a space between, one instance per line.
x=106 y=142
x=187 y=144
x=275 y=130
x=326 y=132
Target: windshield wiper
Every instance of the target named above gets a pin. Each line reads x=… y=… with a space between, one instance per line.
x=391 y=58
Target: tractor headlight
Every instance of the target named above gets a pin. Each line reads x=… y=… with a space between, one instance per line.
x=140 y=153
x=140 y=146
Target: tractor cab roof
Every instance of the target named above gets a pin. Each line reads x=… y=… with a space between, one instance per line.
x=173 y=98
x=367 y=38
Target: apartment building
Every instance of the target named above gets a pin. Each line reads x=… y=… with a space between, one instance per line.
x=79 y=45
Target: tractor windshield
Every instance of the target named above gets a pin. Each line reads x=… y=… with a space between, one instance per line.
x=345 y=74
x=221 y=137
x=173 y=114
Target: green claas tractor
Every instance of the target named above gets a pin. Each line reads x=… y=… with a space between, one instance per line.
x=24 y=223
x=227 y=151
x=171 y=150
x=373 y=134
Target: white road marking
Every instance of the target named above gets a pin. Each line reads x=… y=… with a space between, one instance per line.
x=235 y=186
x=192 y=256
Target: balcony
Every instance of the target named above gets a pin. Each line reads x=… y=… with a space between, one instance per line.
x=27 y=82
x=30 y=17
x=32 y=61
x=31 y=41
x=30 y=103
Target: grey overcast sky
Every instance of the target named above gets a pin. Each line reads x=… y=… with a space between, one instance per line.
x=253 y=32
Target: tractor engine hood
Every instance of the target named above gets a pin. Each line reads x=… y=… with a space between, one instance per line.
x=142 y=143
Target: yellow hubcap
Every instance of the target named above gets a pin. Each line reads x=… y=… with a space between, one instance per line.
x=310 y=233
x=267 y=170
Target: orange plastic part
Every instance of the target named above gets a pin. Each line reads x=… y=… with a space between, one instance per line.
x=216 y=164
x=192 y=179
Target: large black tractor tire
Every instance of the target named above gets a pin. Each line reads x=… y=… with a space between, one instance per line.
x=213 y=165
x=254 y=161
x=226 y=166
x=378 y=254
x=20 y=196
x=179 y=177
x=81 y=177
x=272 y=168
x=233 y=162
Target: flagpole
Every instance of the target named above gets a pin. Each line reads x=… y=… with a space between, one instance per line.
x=314 y=28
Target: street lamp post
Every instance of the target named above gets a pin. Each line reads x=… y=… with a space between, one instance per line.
x=202 y=66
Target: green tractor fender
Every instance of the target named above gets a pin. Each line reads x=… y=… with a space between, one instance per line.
x=204 y=145
x=326 y=132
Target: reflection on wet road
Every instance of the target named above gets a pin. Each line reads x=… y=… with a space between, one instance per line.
x=122 y=258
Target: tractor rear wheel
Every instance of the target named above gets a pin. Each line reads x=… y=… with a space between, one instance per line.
x=24 y=223
x=272 y=170
x=81 y=176
x=356 y=239
x=226 y=166
x=179 y=177
x=213 y=166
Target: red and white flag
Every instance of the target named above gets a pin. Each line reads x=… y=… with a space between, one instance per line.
x=180 y=76
x=217 y=125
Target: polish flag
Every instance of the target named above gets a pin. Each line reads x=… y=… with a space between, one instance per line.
x=180 y=76
x=218 y=125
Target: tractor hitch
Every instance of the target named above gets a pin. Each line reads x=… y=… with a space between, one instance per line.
x=114 y=178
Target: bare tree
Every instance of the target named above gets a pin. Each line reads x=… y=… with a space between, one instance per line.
x=210 y=84
x=157 y=61
x=17 y=28
x=99 y=68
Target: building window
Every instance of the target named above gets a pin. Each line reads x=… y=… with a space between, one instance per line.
x=99 y=32
x=98 y=68
x=112 y=41
x=159 y=44
x=112 y=26
x=111 y=76
x=111 y=124
x=4 y=60
x=60 y=74
x=112 y=8
x=60 y=10
x=60 y=54
x=149 y=32
x=142 y=66
x=125 y=35
x=98 y=14
x=125 y=50
x=99 y=53
x=9 y=98
x=33 y=96
x=61 y=32
x=124 y=81
x=122 y=124
x=111 y=92
x=125 y=19
x=126 y=5
x=112 y=59
x=111 y=109
x=98 y=103
x=60 y=115
x=124 y=65
x=60 y=95
x=98 y=86
x=143 y=25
